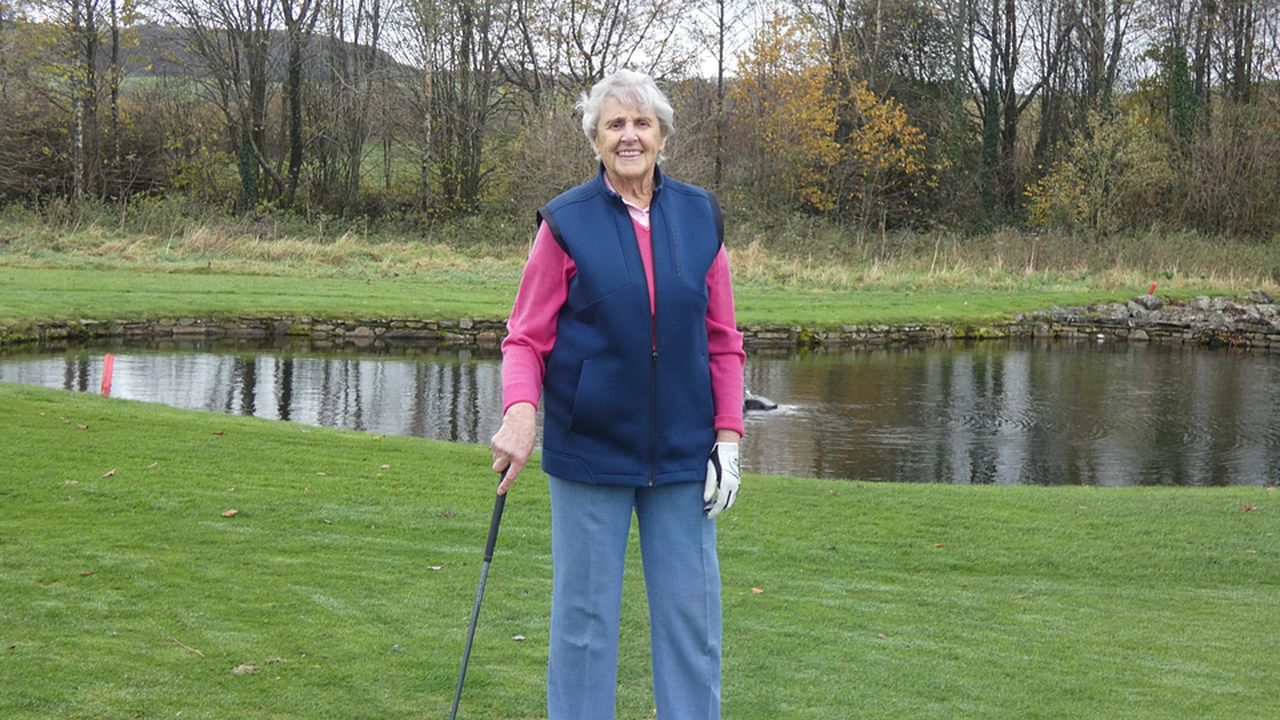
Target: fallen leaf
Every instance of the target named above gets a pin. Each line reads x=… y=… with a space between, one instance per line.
x=386 y=467
x=306 y=490
x=322 y=473
x=277 y=661
x=153 y=466
x=41 y=413
x=65 y=421
x=86 y=573
x=326 y=521
x=449 y=513
x=1271 y=488
x=231 y=489
x=756 y=590
x=381 y=437
x=81 y=427
x=219 y=432
x=938 y=546
x=1247 y=507
x=881 y=637
x=245 y=669
x=435 y=568
x=230 y=513
x=70 y=482
x=110 y=473
x=518 y=638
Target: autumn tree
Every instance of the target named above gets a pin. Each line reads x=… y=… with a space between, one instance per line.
x=883 y=165
x=783 y=110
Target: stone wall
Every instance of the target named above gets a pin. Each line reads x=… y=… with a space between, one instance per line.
x=1253 y=322
x=465 y=332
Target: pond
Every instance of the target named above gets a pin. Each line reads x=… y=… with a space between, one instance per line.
x=1006 y=412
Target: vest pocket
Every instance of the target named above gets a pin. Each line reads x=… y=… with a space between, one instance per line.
x=601 y=409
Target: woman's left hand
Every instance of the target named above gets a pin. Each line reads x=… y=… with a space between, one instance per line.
x=724 y=476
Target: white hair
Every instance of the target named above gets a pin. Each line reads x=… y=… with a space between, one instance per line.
x=629 y=88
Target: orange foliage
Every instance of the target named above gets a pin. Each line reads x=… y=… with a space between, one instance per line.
x=781 y=102
x=789 y=109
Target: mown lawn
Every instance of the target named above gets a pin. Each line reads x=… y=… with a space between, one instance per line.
x=30 y=295
x=346 y=577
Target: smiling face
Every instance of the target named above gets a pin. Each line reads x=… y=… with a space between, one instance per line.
x=628 y=141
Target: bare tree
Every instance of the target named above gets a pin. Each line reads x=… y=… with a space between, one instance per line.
x=1236 y=48
x=232 y=38
x=300 y=18
x=457 y=43
x=82 y=41
x=723 y=31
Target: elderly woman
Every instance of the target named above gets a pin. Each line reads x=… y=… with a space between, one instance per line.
x=624 y=327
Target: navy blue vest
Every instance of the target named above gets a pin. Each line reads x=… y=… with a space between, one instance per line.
x=627 y=396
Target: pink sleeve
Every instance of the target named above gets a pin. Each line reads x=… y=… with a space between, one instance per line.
x=724 y=345
x=531 y=329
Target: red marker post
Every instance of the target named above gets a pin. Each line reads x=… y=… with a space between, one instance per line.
x=1152 y=290
x=108 y=366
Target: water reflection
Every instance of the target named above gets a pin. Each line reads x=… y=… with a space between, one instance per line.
x=1046 y=413
x=442 y=396
x=992 y=412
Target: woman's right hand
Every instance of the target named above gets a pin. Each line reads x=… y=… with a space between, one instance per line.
x=513 y=443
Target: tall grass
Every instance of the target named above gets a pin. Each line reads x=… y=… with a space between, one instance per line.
x=787 y=251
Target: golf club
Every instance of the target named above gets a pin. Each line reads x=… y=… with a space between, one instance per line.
x=475 y=610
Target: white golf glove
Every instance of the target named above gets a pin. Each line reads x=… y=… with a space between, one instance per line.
x=724 y=475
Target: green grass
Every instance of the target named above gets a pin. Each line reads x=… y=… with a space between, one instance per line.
x=131 y=596
x=31 y=295
x=39 y=294
x=172 y=257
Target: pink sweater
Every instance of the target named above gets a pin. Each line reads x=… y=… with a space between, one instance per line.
x=544 y=288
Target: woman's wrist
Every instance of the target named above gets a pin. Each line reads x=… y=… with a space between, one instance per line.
x=728 y=436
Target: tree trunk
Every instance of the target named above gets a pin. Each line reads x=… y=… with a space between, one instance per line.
x=294 y=93
x=115 y=85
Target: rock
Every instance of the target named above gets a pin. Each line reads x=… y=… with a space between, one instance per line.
x=1116 y=311
x=1139 y=336
x=1201 y=303
x=1137 y=311
x=1259 y=296
x=1150 y=302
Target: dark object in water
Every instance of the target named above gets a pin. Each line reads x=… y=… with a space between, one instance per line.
x=757 y=402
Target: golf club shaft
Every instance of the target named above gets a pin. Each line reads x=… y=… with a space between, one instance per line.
x=494 y=522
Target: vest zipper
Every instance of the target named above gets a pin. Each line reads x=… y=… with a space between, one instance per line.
x=653 y=413
x=653 y=357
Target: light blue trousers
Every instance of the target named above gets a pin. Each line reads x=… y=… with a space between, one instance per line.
x=589 y=529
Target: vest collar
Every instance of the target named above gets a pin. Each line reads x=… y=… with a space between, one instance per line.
x=604 y=186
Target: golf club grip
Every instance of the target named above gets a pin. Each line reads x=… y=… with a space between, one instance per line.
x=498 y=504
